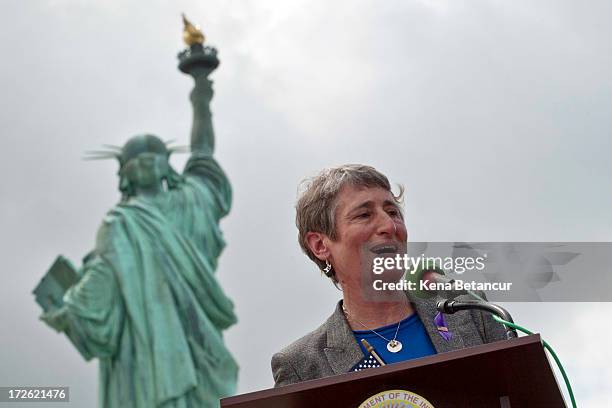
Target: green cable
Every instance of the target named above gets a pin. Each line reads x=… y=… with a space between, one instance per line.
x=550 y=350
x=545 y=344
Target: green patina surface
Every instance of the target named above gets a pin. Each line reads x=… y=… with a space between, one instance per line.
x=146 y=302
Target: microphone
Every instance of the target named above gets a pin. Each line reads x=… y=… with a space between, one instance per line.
x=437 y=276
x=453 y=306
x=431 y=281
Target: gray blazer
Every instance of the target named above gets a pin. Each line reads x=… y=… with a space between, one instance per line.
x=332 y=349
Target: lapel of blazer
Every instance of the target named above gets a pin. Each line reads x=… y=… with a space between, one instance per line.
x=460 y=325
x=342 y=350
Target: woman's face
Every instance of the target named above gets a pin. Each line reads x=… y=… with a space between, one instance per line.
x=368 y=224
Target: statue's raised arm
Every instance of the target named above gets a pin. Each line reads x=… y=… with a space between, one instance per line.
x=199 y=61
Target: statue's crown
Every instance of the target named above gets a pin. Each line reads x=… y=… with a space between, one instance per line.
x=136 y=145
x=142 y=144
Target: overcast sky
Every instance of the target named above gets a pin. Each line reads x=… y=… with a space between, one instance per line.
x=495 y=115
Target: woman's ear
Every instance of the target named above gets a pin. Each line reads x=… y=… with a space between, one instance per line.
x=316 y=242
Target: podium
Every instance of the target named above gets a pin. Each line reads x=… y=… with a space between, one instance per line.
x=507 y=374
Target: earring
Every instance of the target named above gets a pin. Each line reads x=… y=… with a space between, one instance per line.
x=327 y=271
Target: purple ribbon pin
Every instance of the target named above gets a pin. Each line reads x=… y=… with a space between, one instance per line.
x=441 y=326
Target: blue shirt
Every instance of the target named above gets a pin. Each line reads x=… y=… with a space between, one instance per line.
x=412 y=334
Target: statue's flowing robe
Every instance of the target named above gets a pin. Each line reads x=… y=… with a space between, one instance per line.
x=149 y=306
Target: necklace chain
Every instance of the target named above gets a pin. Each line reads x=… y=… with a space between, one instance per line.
x=392 y=342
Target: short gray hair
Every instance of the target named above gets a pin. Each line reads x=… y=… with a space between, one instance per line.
x=317 y=201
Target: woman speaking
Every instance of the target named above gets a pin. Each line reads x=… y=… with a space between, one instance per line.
x=346 y=216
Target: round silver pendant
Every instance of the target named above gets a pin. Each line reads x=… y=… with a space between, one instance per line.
x=394 y=346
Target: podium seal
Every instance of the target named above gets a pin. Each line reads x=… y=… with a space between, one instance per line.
x=396 y=399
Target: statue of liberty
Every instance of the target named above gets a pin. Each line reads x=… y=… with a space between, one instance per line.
x=146 y=302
